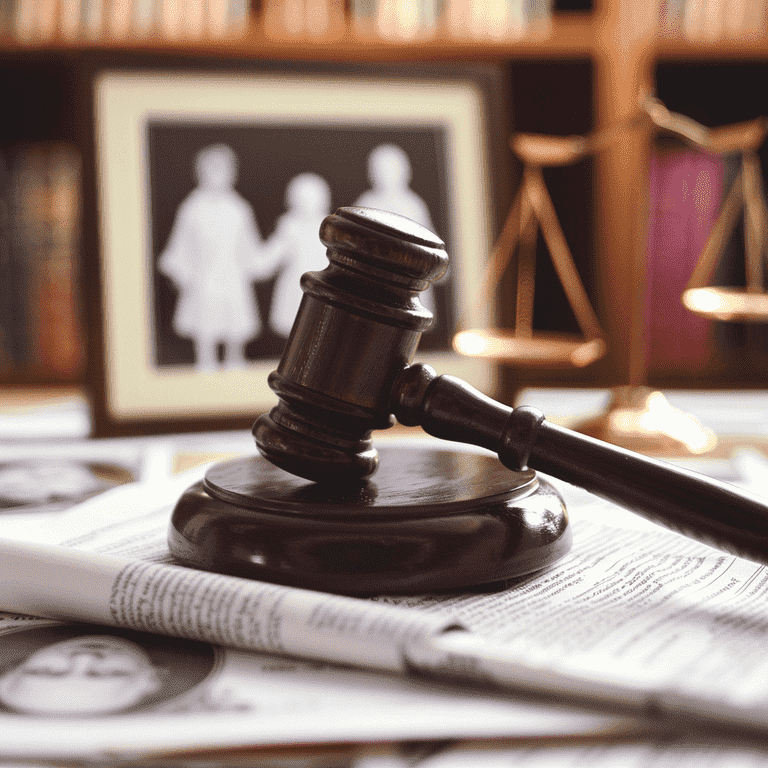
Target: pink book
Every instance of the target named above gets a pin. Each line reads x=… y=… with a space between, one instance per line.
x=686 y=189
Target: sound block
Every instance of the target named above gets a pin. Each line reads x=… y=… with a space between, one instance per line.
x=430 y=519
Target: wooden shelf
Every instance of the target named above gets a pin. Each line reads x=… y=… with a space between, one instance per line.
x=569 y=36
x=677 y=49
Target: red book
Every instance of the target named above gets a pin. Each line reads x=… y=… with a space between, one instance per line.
x=686 y=189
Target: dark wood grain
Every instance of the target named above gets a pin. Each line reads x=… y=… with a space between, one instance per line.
x=431 y=519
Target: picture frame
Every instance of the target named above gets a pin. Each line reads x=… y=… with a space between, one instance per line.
x=151 y=372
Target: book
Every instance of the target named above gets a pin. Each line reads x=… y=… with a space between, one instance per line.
x=29 y=199
x=395 y=19
x=60 y=343
x=145 y=17
x=239 y=17
x=47 y=19
x=171 y=25
x=685 y=191
x=93 y=19
x=6 y=17
x=218 y=18
x=671 y=17
x=43 y=209
x=7 y=279
x=24 y=21
x=319 y=19
x=119 y=19
x=70 y=19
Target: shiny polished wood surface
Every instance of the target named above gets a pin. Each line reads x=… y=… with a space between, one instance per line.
x=431 y=519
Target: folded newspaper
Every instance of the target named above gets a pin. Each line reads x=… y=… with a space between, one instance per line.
x=635 y=619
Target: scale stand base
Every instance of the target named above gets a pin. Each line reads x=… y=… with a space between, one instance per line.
x=642 y=420
x=430 y=519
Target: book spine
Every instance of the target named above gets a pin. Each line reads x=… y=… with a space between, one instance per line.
x=144 y=20
x=195 y=14
x=120 y=19
x=693 y=21
x=61 y=345
x=45 y=333
x=7 y=277
x=217 y=18
x=6 y=18
x=685 y=193
x=238 y=17
x=172 y=19
x=29 y=199
x=70 y=19
x=362 y=16
x=48 y=19
x=24 y=22
x=538 y=16
x=92 y=22
x=17 y=308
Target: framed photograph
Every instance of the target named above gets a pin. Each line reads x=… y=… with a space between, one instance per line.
x=211 y=188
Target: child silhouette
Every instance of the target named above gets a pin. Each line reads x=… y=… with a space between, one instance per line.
x=295 y=247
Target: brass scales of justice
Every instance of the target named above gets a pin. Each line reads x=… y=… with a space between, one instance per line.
x=320 y=508
x=637 y=416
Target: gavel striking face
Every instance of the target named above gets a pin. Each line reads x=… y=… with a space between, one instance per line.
x=347 y=370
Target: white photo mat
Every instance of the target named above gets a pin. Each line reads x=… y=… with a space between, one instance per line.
x=138 y=390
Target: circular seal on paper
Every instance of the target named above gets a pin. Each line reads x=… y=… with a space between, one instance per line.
x=83 y=671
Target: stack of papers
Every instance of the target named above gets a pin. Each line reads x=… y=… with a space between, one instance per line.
x=634 y=604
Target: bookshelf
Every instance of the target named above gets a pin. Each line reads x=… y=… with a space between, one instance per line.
x=594 y=65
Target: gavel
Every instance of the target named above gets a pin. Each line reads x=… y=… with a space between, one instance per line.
x=348 y=370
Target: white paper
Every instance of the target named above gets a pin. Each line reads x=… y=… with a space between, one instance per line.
x=177 y=694
x=635 y=614
x=679 y=623
x=648 y=754
x=182 y=602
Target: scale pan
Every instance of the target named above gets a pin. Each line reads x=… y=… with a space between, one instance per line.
x=541 y=349
x=730 y=304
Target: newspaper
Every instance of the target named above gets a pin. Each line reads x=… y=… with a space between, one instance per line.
x=97 y=692
x=671 y=621
x=648 y=754
x=635 y=612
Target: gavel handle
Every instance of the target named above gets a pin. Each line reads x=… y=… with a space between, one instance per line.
x=714 y=512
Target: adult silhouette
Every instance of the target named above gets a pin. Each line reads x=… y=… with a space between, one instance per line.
x=213 y=254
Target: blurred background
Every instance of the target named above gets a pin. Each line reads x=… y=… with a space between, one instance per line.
x=634 y=207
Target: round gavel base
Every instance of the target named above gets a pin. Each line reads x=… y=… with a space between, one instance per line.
x=430 y=519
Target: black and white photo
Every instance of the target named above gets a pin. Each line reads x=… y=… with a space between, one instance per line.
x=229 y=254
x=77 y=671
x=230 y=178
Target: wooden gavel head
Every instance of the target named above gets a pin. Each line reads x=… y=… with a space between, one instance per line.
x=357 y=328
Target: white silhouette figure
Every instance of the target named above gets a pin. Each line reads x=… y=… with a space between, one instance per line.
x=389 y=173
x=294 y=247
x=213 y=254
